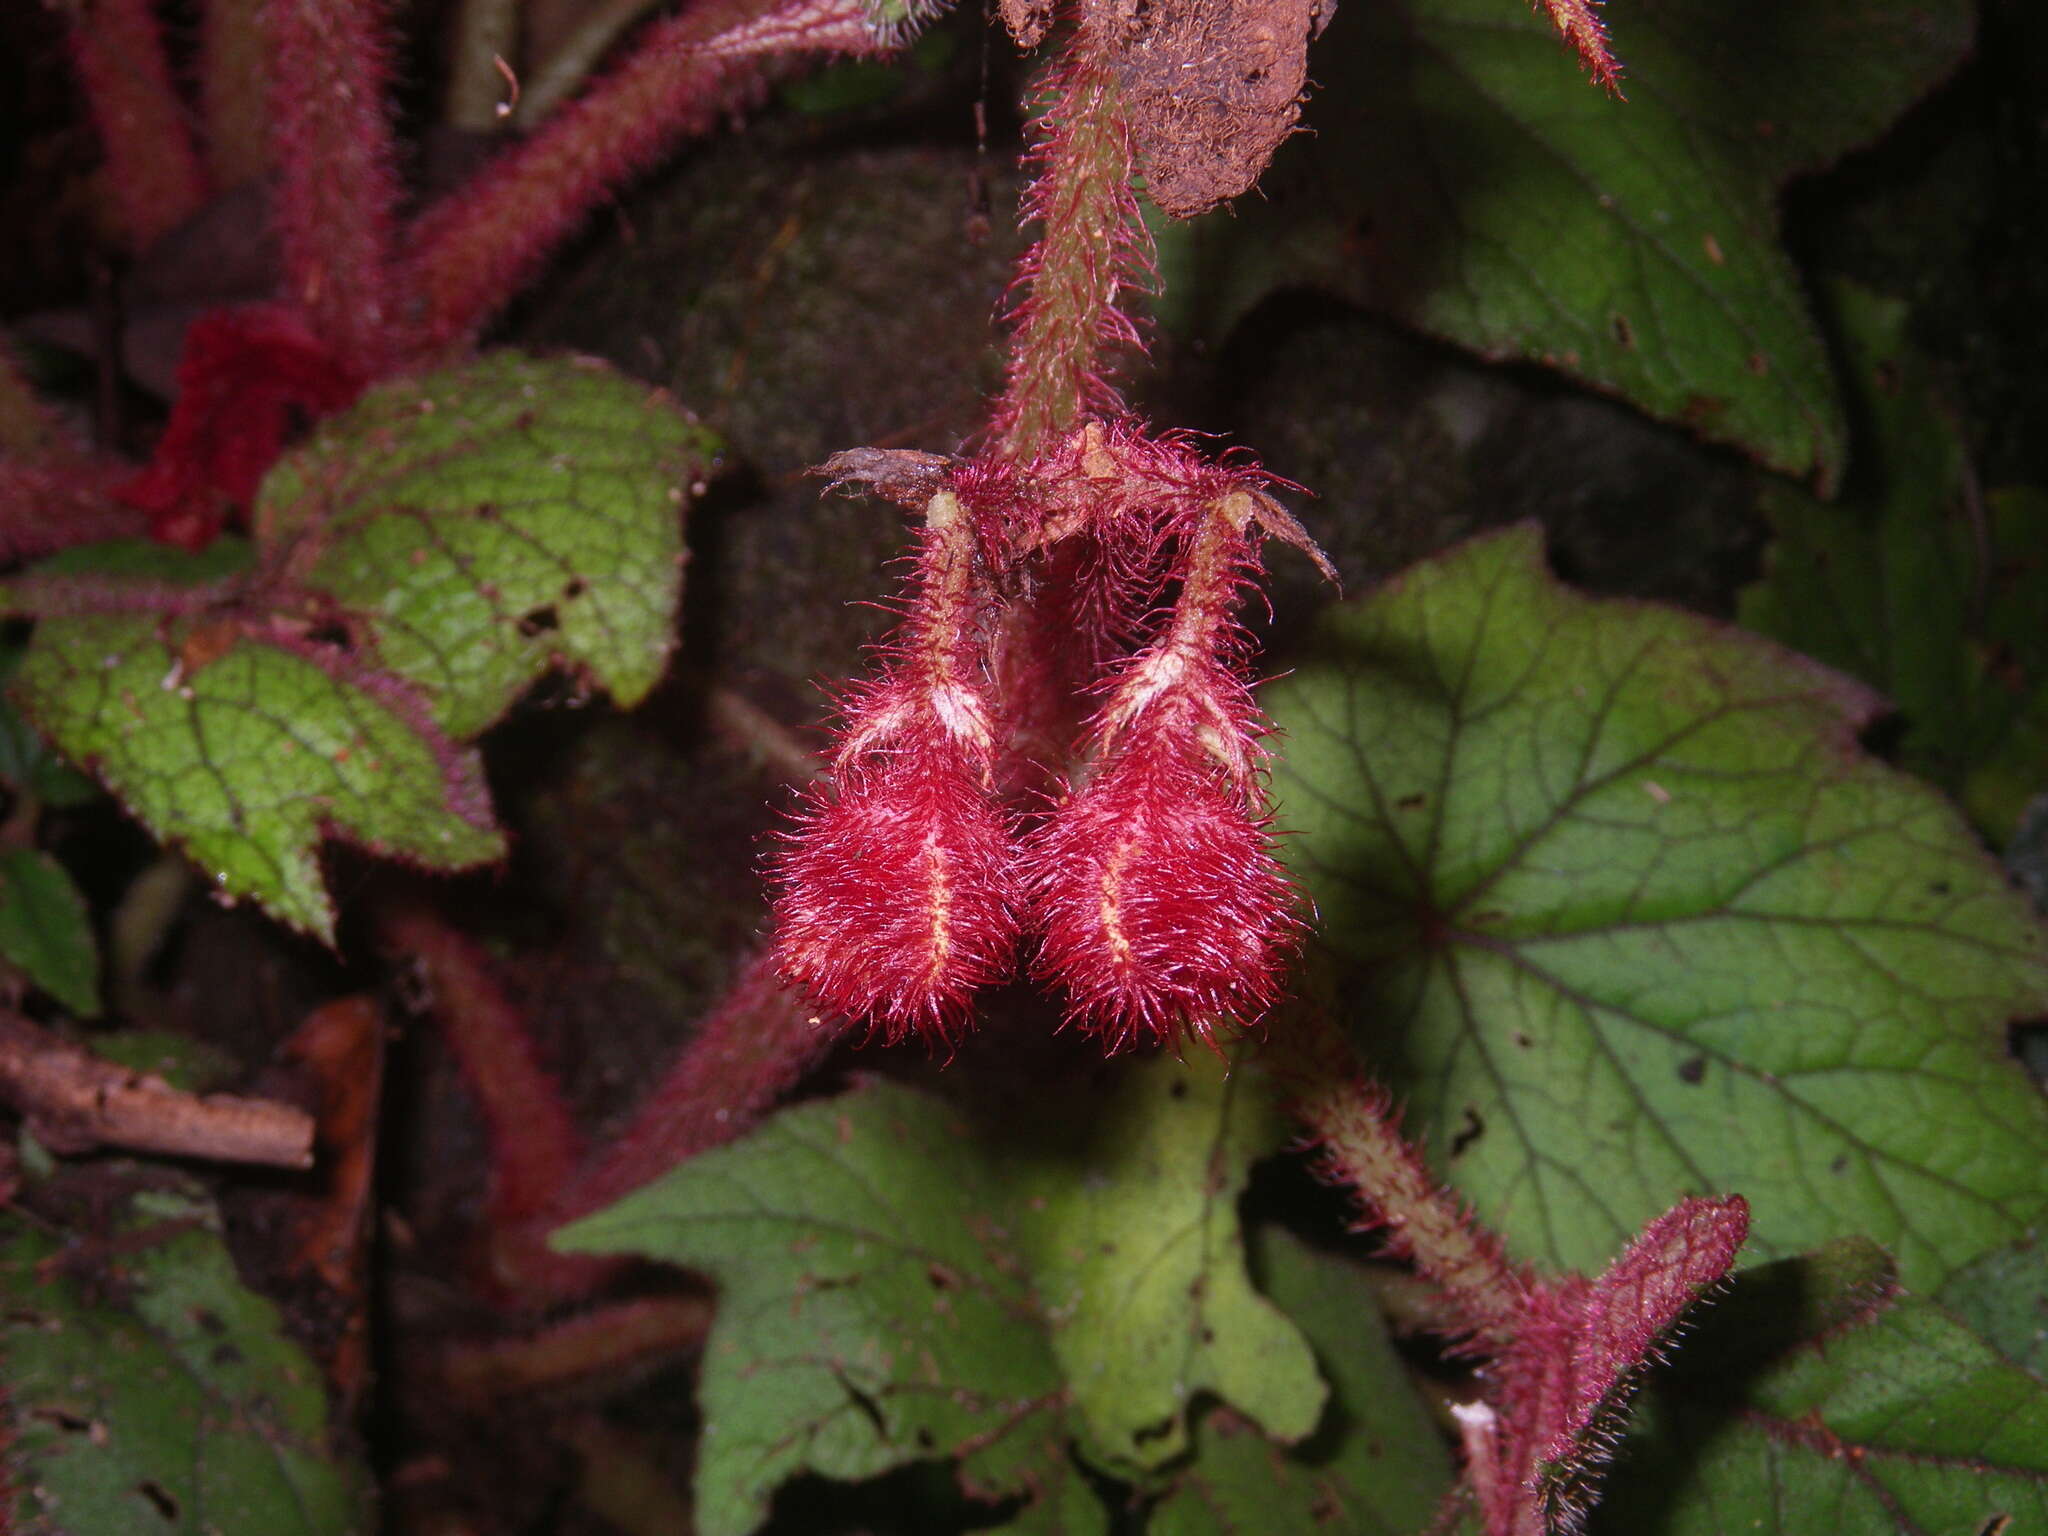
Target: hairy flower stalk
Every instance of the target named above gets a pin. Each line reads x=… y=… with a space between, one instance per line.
x=337 y=174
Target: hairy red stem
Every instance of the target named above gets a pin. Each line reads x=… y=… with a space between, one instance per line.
x=746 y=1053
x=158 y=181
x=1092 y=251
x=535 y=1145
x=1358 y=1134
x=337 y=178
x=477 y=248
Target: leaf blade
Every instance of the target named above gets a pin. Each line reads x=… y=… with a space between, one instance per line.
x=173 y=1403
x=489 y=521
x=1463 y=179
x=248 y=760
x=1641 y=922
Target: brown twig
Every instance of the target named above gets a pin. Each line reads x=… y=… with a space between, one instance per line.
x=592 y=1346
x=746 y=725
x=73 y=1102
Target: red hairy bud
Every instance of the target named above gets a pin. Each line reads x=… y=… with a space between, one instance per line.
x=1160 y=902
x=895 y=899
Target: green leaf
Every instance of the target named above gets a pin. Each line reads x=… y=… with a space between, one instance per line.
x=147 y=1390
x=900 y=1283
x=248 y=758
x=25 y=762
x=2003 y=1297
x=485 y=523
x=46 y=930
x=1906 y=1419
x=1125 y=1215
x=1626 y=916
x=1376 y=1464
x=872 y=1309
x=1462 y=176
x=1910 y=585
x=416 y=565
x=187 y=1063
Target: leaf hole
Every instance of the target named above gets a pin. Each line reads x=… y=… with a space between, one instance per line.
x=1177 y=1091
x=69 y=1423
x=1149 y=1432
x=1414 y=802
x=1693 y=1070
x=1523 y=1040
x=941 y=1278
x=1469 y=1132
x=869 y=1408
x=539 y=622
x=1624 y=333
x=2028 y=1042
x=160 y=1499
x=573 y=590
x=332 y=632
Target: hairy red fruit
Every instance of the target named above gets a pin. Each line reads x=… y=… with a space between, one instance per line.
x=246 y=380
x=895 y=901
x=1160 y=902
